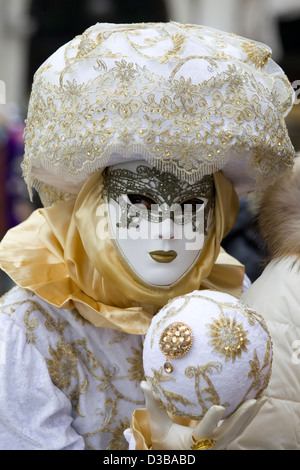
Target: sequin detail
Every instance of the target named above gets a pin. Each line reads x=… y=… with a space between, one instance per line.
x=168 y=193
x=229 y=337
x=118 y=91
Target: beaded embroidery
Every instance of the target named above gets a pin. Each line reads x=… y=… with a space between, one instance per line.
x=187 y=99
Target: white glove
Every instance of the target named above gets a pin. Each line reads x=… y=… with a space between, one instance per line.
x=208 y=434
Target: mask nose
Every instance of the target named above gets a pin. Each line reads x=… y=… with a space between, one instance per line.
x=166 y=230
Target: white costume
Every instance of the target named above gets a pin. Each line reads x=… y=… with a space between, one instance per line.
x=122 y=117
x=65 y=383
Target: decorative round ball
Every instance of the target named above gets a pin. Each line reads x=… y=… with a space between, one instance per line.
x=206 y=348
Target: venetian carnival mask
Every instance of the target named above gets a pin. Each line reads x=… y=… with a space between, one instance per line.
x=159 y=223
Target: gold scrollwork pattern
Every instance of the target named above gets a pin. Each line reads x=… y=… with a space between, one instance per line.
x=170 y=398
x=97 y=387
x=205 y=391
x=147 y=100
x=230 y=341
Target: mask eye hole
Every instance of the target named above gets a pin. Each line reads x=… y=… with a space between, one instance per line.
x=141 y=201
x=192 y=205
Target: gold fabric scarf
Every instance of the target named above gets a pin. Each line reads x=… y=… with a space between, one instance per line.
x=60 y=253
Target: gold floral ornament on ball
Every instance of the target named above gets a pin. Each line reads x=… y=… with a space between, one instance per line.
x=229 y=337
x=175 y=341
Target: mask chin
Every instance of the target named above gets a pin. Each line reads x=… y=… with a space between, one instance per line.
x=159 y=245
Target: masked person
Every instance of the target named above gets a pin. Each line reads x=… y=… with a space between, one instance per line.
x=139 y=139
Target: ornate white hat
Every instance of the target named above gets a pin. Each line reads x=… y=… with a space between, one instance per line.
x=189 y=99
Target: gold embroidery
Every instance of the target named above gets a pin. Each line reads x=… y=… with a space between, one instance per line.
x=50 y=195
x=230 y=340
x=229 y=337
x=63 y=365
x=181 y=125
x=77 y=371
x=118 y=337
x=257 y=54
x=257 y=372
x=173 y=146
x=118 y=441
x=108 y=419
x=160 y=391
x=207 y=395
x=203 y=371
x=136 y=371
x=170 y=398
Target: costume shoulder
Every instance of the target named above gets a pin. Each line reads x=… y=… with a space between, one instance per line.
x=86 y=378
x=41 y=322
x=27 y=410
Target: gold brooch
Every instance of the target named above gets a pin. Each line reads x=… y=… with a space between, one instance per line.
x=175 y=341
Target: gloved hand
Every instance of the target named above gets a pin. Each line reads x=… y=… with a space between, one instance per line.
x=208 y=434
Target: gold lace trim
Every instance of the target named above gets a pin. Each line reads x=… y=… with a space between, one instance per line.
x=177 y=121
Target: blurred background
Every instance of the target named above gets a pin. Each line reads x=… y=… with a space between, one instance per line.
x=31 y=30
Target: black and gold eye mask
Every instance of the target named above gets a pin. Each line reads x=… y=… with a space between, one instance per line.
x=156 y=196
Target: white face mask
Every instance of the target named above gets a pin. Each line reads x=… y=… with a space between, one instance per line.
x=159 y=223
